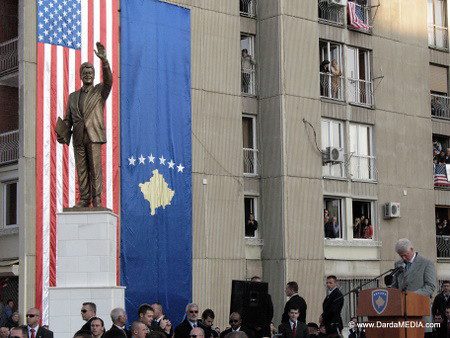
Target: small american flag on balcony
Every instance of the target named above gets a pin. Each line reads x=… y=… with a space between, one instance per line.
x=356 y=16
x=440 y=175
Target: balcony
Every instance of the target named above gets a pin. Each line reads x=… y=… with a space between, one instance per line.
x=248 y=81
x=250 y=161
x=9 y=147
x=438 y=37
x=363 y=168
x=8 y=57
x=247 y=8
x=332 y=86
x=443 y=246
x=360 y=92
x=359 y=17
x=440 y=106
x=331 y=13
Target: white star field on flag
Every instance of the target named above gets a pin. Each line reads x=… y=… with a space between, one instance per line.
x=143 y=160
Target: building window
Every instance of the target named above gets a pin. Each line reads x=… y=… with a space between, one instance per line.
x=362 y=159
x=10 y=203
x=333 y=217
x=251 y=215
x=331 y=79
x=248 y=65
x=359 y=78
x=247 y=8
x=439 y=91
x=442 y=219
x=437 y=24
x=359 y=15
x=332 y=136
x=331 y=12
x=363 y=219
x=249 y=146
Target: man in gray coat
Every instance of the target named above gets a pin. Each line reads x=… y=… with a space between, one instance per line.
x=418 y=273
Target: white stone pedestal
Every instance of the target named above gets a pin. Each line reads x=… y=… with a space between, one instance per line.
x=86 y=270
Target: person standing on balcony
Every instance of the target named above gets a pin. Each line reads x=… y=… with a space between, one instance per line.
x=247 y=67
x=251 y=226
x=442 y=229
x=335 y=78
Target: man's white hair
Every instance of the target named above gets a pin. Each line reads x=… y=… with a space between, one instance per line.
x=116 y=313
x=403 y=245
x=191 y=305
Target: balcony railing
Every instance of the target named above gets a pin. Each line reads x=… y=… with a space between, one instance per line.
x=248 y=82
x=9 y=60
x=440 y=106
x=363 y=167
x=438 y=37
x=332 y=86
x=250 y=161
x=331 y=13
x=9 y=147
x=443 y=246
x=247 y=8
x=360 y=91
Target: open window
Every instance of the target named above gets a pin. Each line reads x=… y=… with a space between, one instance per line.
x=333 y=217
x=10 y=203
x=362 y=155
x=333 y=136
x=437 y=24
x=359 y=77
x=251 y=216
x=331 y=70
x=363 y=219
x=248 y=65
x=250 y=151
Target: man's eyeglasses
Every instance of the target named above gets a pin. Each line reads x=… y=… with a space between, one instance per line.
x=193 y=311
x=31 y=315
x=83 y=310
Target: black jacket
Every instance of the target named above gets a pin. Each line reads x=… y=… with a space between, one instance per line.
x=44 y=333
x=439 y=304
x=115 y=332
x=184 y=329
x=300 y=332
x=86 y=328
x=332 y=307
x=249 y=332
x=295 y=302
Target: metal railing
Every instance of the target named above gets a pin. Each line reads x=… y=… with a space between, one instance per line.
x=250 y=161
x=332 y=86
x=360 y=91
x=9 y=60
x=247 y=8
x=440 y=106
x=9 y=147
x=363 y=167
x=438 y=37
x=331 y=13
x=248 y=81
x=443 y=246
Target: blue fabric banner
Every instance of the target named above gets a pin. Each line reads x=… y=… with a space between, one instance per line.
x=156 y=195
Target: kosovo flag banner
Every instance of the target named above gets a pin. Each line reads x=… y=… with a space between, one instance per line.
x=156 y=194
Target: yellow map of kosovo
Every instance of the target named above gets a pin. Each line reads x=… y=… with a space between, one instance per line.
x=157 y=192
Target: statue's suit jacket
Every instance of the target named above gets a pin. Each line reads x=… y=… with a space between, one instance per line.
x=420 y=276
x=91 y=118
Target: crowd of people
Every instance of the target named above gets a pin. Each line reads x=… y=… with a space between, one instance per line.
x=362 y=226
x=153 y=323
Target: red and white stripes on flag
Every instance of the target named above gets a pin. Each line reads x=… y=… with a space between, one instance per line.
x=56 y=186
x=356 y=15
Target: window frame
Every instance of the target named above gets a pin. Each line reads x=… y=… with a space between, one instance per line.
x=368 y=81
x=328 y=166
x=431 y=26
x=4 y=203
x=341 y=218
x=255 y=213
x=253 y=90
x=371 y=157
x=255 y=145
x=252 y=11
x=373 y=219
x=341 y=62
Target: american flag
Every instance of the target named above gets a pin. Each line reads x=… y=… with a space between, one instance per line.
x=440 y=175
x=67 y=31
x=356 y=16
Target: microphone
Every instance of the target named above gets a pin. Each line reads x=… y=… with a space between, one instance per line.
x=389 y=279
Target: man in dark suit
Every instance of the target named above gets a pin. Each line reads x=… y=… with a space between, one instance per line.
x=332 y=307
x=146 y=316
x=34 y=330
x=294 y=328
x=442 y=300
x=237 y=326
x=294 y=302
x=88 y=312
x=184 y=328
x=119 y=319
x=85 y=117
x=259 y=313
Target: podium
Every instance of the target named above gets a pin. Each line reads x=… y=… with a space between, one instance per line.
x=393 y=313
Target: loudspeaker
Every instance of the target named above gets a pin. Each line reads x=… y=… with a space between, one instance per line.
x=250 y=299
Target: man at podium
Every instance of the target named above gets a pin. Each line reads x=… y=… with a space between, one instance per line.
x=414 y=272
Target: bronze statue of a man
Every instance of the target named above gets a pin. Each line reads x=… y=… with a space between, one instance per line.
x=84 y=119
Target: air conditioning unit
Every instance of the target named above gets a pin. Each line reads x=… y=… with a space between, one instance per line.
x=333 y=155
x=391 y=210
x=338 y=2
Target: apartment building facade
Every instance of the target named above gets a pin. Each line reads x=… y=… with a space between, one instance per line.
x=297 y=107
